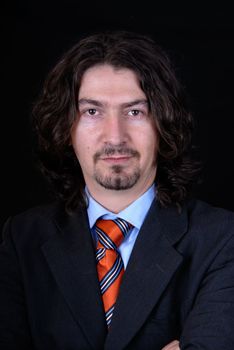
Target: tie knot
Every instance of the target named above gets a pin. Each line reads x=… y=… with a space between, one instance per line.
x=111 y=233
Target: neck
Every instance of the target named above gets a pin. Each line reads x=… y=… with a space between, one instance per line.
x=116 y=201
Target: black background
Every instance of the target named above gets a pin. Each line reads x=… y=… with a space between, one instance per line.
x=199 y=40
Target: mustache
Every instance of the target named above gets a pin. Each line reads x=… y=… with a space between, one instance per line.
x=119 y=150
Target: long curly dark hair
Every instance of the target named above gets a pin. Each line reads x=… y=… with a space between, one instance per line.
x=56 y=110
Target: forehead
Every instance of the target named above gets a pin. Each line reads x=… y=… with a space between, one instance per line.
x=104 y=80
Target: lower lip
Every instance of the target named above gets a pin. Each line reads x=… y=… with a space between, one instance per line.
x=116 y=160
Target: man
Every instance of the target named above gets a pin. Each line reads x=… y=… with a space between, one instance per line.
x=124 y=259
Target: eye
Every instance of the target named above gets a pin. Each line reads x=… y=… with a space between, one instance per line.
x=91 y=111
x=134 y=112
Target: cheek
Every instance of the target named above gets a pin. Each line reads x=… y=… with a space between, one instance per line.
x=83 y=152
x=79 y=140
x=84 y=137
x=148 y=142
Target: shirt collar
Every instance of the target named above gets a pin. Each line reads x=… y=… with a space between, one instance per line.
x=135 y=213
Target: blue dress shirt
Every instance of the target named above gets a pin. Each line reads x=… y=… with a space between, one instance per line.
x=135 y=214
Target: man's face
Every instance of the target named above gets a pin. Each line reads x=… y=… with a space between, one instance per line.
x=114 y=137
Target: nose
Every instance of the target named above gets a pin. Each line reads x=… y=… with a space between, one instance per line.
x=115 y=130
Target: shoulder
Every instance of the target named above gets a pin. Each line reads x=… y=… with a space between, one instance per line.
x=205 y=213
x=36 y=224
x=40 y=213
x=209 y=227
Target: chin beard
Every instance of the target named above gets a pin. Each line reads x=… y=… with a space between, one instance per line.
x=118 y=180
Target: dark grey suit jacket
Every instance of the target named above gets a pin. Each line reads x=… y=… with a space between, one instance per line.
x=179 y=282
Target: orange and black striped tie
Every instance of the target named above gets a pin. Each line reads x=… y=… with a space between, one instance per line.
x=110 y=268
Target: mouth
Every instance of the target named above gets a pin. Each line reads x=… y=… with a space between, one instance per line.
x=116 y=155
x=116 y=159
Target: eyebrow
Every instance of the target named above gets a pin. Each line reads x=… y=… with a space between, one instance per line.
x=84 y=101
x=135 y=102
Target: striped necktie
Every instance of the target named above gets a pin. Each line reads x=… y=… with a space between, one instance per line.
x=110 y=268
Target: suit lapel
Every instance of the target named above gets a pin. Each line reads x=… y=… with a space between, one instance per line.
x=152 y=264
x=71 y=258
